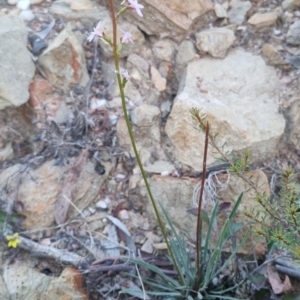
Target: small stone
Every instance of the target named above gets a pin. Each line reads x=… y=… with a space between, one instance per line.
x=290 y=4
x=238 y=12
x=271 y=55
x=158 y=81
x=293 y=35
x=101 y=204
x=220 y=11
x=295 y=61
x=113 y=119
x=165 y=108
x=215 y=41
x=160 y=246
x=92 y=210
x=123 y=214
x=27 y=15
x=37 y=44
x=23 y=4
x=140 y=239
x=277 y=32
x=120 y=177
x=186 y=52
x=97 y=103
x=261 y=20
x=164 y=50
x=160 y=166
x=165 y=173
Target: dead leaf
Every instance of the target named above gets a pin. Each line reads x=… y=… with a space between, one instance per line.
x=276 y=283
x=68 y=187
x=119 y=224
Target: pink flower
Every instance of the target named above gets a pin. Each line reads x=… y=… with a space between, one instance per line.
x=97 y=32
x=125 y=74
x=135 y=5
x=127 y=37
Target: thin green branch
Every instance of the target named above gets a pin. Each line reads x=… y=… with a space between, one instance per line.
x=117 y=66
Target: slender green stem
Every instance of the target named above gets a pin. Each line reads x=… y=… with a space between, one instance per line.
x=117 y=66
x=198 y=240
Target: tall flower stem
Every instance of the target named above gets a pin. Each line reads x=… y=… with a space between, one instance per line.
x=119 y=79
x=198 y=240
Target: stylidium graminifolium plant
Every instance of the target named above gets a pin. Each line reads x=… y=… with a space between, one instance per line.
x=191 y=280
x=122 y=78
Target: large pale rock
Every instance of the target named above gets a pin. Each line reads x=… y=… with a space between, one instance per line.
x=167 y=18
x=63 y=62
x=240 y=99
x=25 y=282
x=87 y=11
x=16 y=65
x=215 y=41
x=176 y=196
x=39 y=190
x=146 y=129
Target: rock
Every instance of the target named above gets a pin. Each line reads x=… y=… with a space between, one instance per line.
x=262 y=20
x=63 y=62
x=167 y=18
x=293 y=35
x=241 y=85
x=37 y=44
x=176 y=196
x=133 y=94
x=165 y=108
x=32 y=284
x=186 y=53
x=220 y=11
x=215 y=41
x=27 y=15
x=235 y=187
x=140 y=64
x=23 y=4
x=39 y=207
x=146 y=118
x=87 y=11
x=6 y=152
x=238 y=12
x=271 y=55
x=16 y=66
x=158 y=81
x=290 y=4
x=101 y=204
x=151 y=239
x=129 y=48
x=295 y=61
x=165 y=50
x=159 y=166
x=123 y=214
x=45 y=102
